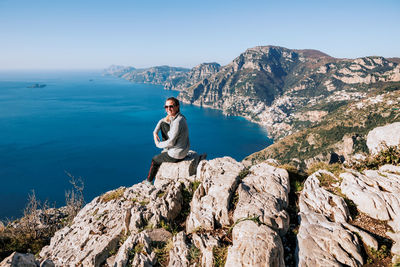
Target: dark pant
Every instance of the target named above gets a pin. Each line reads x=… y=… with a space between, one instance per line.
x=160 y=158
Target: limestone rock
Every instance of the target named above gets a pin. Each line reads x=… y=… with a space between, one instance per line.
x=102 y=225
x=315 y=198
x=211 y=200
x=206 y=243
x=264 y=193
x=47 y=263
x=396 y=246
x=255 y=245
x=375 y=193
x=176 y=171
x=19 y=259
x=388 y=135
x=139 y=245
x=178 y=256
x=390 y=168
x=322 y=239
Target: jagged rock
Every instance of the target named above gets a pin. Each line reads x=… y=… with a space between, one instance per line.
x=255 y=245
x=264 y=193
x=178 y=171
x=322 y=242
x=206 y=243
x=385 y=135
x=211 y=200
x=317 y=199
x=19 y=259
x=138 y=246
x=178 y=256
x=395 y=247
x=47 y=263
x=103 y=224
x=390 y=168
x=375 y=193
x=366 y=238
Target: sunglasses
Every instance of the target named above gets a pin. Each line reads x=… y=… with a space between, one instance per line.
x=170 y=106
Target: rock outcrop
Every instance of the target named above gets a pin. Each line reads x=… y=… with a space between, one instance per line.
x=382 y=137
x=323 y=239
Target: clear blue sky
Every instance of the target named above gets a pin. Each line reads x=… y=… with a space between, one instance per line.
x=81 y=34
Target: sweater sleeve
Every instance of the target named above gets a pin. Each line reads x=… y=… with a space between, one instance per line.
x=172 y=135
x=158 y=127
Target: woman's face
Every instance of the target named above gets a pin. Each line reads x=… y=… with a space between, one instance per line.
x=171 y=108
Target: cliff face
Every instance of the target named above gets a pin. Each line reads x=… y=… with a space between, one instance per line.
x=286 y=90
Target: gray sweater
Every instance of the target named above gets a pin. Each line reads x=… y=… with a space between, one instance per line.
x=178 y=143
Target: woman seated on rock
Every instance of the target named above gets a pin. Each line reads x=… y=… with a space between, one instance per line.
x=175 y=138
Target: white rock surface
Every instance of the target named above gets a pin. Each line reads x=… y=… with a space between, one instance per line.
x=206 y=243
x=100 y=226
x=322 y=239
x=264 y=193
x=388 y=135
x=178 y=171
x=375 y=193
x=255 y=245
x=211 y=200
x=315 y=198
x=178 y=256
x=143 y=257
x=396 y=246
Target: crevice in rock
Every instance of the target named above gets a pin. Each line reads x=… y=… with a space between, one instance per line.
x=289 y=240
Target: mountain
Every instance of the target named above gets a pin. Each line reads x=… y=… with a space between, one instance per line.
x=154 y=75
x=195 y=75
x=173 y=78
x=287 y=90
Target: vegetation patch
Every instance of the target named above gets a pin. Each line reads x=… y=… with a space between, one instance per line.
x=335 y=168
x=162 y=250
x=194 y=255
x=220 y=254
x=115 y=194
x=389 y=155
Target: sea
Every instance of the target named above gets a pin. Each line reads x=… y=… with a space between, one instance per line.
x=96 y=128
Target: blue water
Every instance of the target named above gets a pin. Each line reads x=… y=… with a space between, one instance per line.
x=95 y=127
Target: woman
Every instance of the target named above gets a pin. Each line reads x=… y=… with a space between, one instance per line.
x=175 y=138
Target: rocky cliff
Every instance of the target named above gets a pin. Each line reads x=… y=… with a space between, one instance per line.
x=287 y=90
x=222 y=212
x=170 y=77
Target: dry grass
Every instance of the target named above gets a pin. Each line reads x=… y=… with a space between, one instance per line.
x=115 y=194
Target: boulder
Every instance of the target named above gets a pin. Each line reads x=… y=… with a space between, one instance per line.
x=206 y=244
x=386 y=135
x=322 y=239
x=178 y=171
x=396 y=246
x=375 y=193
x=101 y=229
x=264 y=193
x=255 y=245
x=211 y=200
x=317 y=199
x=20 y=259
x=135 y=251
x=178 y=256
